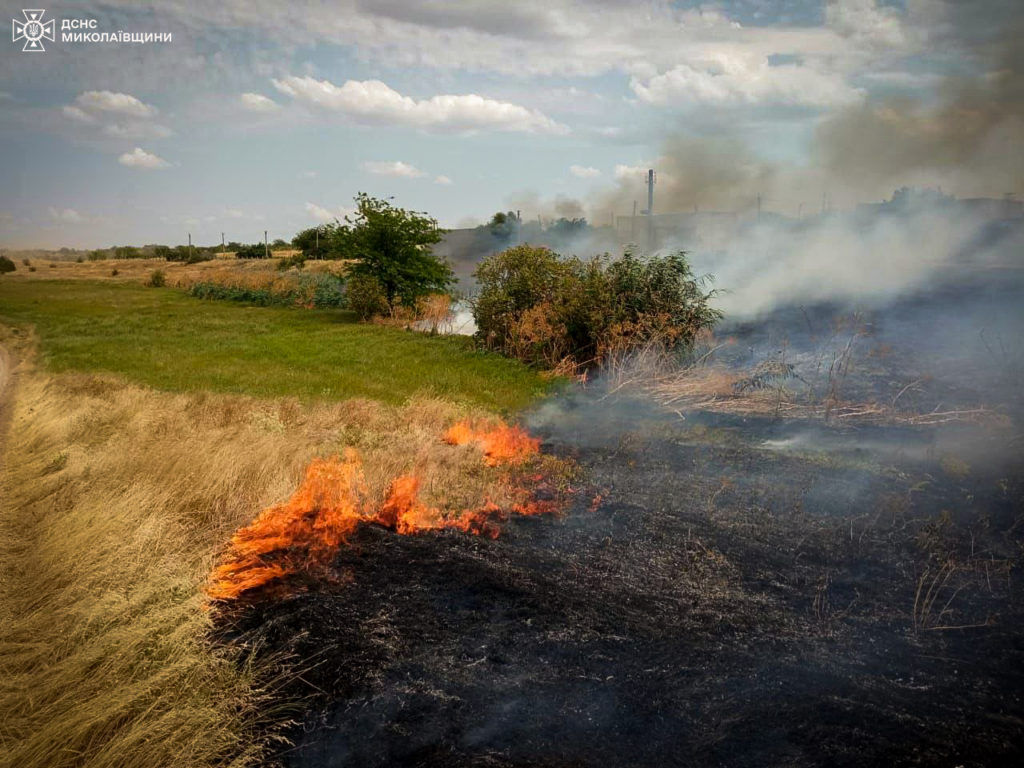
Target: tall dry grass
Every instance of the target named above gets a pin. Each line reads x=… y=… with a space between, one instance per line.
x=114 y=503
x=139 y=270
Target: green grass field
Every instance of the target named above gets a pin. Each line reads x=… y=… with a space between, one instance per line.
x=165 y=339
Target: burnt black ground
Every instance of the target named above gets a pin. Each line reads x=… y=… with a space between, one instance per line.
x=743 y=595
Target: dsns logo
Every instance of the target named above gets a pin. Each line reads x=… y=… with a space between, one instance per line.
x=33 y=30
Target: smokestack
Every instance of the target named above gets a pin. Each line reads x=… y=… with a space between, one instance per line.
x=650 y=210
x=650 y=192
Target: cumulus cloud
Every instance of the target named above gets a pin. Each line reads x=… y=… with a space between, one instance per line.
x=324 y=215
x=394 y=168
x=118 y=103
x=636 y=172
x=373 y=101
x=739 y=79
x=442 y=179
x=584 y=171
x=143 y=160
x=116 y=115
x=136 y=129
x=79 y=114
x=257 y=102
x=66 y=215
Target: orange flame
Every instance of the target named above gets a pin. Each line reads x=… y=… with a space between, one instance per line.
x=304 y=533
x=501 y=444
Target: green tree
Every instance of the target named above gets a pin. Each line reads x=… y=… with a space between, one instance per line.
x=315 y=242
x=393 y=246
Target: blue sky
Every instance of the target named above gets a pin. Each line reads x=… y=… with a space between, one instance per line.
x=266 y=115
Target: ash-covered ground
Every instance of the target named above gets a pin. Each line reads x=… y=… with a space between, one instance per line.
x=747 y=590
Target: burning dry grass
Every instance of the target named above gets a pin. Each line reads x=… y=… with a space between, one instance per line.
x=116 y=503
x=303 y=535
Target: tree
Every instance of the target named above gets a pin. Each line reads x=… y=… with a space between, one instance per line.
x=315 y=242
x=392 y=245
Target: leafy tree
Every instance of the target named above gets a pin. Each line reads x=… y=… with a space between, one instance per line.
x=6 y=265
x=315 y=242
x=503 y=226
x=392 y=245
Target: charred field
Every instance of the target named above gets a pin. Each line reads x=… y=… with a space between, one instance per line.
x=731 y=586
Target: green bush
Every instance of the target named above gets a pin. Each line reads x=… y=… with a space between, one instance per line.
x=548 y=310
x=366 y=296
x=320 y=291
x=254 y=251
x=6 y=265
x=157 y=279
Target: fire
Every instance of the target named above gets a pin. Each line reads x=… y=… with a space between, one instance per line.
x=501 y=444
x=304 y=533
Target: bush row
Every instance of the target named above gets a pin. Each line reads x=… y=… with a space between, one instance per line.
x=559 y=312
x=320 y=290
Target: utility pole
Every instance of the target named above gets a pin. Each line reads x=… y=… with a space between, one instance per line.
x=266 y=248
x=190 y=246
x=318 y=241
x=222 y=242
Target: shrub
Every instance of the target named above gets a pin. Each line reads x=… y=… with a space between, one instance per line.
x=254 y=251
x=157 y=279
x=319 y=290
x=26 y=262
x=113 y=273
x=547 y=310
x=31 y=269
x=6 y=265
x=366 y=296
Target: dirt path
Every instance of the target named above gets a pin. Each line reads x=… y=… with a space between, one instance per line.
x=7 y=366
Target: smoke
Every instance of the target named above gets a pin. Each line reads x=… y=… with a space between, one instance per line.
x=860 y=259
x=969 y=143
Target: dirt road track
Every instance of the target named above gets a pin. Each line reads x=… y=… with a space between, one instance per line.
x=7 y=364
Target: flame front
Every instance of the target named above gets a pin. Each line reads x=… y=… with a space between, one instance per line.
x=501 y=444
x=304 y=533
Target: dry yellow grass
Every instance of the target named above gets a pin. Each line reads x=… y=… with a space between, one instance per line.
x=225 y=268
x=115 y=501
x=139 y=270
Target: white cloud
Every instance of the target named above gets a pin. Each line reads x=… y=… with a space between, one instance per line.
x=79 y=114
x=66 y=215
x=442 y=179
x=867 y=23
x=375 y=102
x=136 y=129
x=637 y=172
x=119 y=103
x=257 y=102
x=325 y=215
x=732 y=78
x=309 y=174
x=140 y=158
x=133 y=118
x=584 y=171
x=392 y=168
